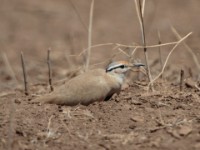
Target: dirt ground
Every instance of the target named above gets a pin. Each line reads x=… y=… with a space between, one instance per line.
x=136 y=119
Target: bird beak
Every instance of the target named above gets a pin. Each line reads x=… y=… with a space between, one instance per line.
x=137 y=65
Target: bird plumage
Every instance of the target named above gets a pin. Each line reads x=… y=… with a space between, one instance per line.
x=91 y=86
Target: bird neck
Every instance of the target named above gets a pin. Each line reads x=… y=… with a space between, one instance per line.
x=119 y=77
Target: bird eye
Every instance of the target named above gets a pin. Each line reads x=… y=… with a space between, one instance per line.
x=122 y=66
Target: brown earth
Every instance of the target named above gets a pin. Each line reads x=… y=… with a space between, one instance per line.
x=135 y=119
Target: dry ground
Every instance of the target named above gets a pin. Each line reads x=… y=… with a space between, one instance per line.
x=136 y=119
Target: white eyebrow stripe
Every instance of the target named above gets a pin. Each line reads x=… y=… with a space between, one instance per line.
x=114 y=67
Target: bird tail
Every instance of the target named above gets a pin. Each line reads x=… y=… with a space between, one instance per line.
x=45 y=99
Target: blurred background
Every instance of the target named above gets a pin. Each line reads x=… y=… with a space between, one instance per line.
x=35 y=26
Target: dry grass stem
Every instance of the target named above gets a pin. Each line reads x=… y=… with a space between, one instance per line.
x=148 y=46
x=160 y=53
x=140 y=17
x=89 y=36
x=143 y=6
x=49 y=69
x=134 y=50
x=121 y=45
x=181 y=79
x=187 y=47
x=159 y=48
x=24 y=74
x=49 y=127
x=138 y=12
x=197 y=87
x=122 y=51
x=168 y=56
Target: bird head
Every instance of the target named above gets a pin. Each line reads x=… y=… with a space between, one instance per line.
x=121 y=67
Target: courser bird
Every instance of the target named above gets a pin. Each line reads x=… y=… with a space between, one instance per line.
x=91 y=86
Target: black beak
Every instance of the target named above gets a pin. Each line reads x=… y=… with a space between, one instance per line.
x=138 y=65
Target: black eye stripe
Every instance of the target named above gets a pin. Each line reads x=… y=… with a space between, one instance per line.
x=112 y=68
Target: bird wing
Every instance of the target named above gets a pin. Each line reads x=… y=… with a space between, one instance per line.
x=85 y=89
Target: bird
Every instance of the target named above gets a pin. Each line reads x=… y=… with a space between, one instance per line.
x=91 y=86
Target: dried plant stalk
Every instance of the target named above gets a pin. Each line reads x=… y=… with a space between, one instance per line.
x=181 y=79
x=168 y=56
x=24 y=74
x=49 y=68
x=187 y=47
x=147 y=46
x=89 y=36
x=160 y=54
x=140 y=12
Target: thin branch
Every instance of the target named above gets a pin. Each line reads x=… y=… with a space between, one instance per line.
x=121 y=45
x=149 y=46
x=168 y=56
x=49 y=68
x=49 y=126
x=143 y=6
x=181 y=79
x=139 y=12
x=24 y=74
x=160 y=54
x=89 y=36
x=122 y=51
x=187 y=47
x=133 y=52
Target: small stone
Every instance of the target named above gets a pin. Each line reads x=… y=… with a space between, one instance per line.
x=135 y=102
x=17 y=101
x=132 y=126
x=184 y=130
x=137 y=119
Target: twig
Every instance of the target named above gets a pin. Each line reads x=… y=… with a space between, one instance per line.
x=189 y=82
x=49 y=127
x=122 y=51
x=133 y=52
x=187 y=47
x=169 y=56
x=89 y=36
x=160 y=54
x=143 y=6
x=197 y=87
x=147 y=46
x=24 y=74
x=121 y=45
x=140 y=17
x=49 y=68
x=181 y=79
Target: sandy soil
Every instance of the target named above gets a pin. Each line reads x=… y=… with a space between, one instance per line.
x=135 y=119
